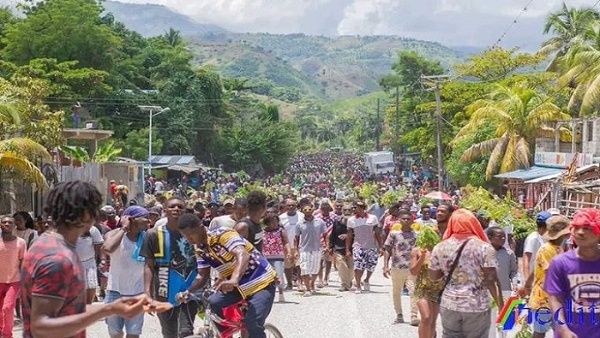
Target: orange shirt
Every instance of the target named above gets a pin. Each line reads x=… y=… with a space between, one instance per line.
x=11 y=254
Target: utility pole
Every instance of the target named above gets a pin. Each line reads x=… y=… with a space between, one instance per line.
x=397 y=117
x=153 y=111
x=434 y=82
x=377 y=129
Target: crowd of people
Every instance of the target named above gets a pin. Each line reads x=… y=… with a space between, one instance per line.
x=290 y=233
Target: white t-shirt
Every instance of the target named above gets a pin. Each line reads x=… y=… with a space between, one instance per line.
x=85 y=245
x=158 y=187
x=224 y=221
x=363 y=231
x=289 y=223
x=533 y=242
x=429 y=222
x=126 y=274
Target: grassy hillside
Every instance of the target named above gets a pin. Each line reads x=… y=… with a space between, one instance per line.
x=284 y=66
x=334 y=68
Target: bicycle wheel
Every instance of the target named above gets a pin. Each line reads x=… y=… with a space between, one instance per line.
x=272 y=332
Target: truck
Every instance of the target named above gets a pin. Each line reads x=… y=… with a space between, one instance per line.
x=380 y=162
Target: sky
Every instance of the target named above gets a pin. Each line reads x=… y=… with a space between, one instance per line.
x=452 y=22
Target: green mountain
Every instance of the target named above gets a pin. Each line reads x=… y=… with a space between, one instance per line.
x=285 y=66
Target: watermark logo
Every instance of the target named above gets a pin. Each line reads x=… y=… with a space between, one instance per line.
x=575 y=313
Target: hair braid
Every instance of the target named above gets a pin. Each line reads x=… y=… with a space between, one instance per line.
x=68 y=202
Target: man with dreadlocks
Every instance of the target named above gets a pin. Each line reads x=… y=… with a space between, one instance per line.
x=53 y=277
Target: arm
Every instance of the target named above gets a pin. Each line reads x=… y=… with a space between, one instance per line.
x=557 y=307
x=113 y=240
x=286 y=243
x=242 y=229
x=297 y=241
x=241 y=259
x=490 y=279
x=526 y=261
x=417 y=258
x=148 y=275
x=45 y=324
x=349 y=239
x=203 y=277
x=387 y=253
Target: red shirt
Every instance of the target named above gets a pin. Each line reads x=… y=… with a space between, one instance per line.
x=52 y=269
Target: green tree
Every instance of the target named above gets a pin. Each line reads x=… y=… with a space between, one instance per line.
x=66 y=30
x=518 y=115
x=497 y=64
x=568 y=26
x=135 y=144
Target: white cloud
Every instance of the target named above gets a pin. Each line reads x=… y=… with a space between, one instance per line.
x=452 y=22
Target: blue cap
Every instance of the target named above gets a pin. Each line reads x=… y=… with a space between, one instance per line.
x=135 y=211
x=542 y=217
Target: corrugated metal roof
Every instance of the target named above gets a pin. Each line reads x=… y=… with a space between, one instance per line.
x=173 y=159
x=553 y=176
x=531 y=173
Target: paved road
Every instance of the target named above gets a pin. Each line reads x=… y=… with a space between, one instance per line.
x=328 y=314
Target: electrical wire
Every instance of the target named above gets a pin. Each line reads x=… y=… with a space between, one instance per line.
x=514 y=22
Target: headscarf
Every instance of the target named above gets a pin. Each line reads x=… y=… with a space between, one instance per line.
x=588 y=218
x=463 y=224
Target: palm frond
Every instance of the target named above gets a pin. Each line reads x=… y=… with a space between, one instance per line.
x=496 y=157
x=18 y=166
x=509 y=161
x=477 y=150
x=522 y=154
x=9 y=113
x=25 y=147
x=591 y=98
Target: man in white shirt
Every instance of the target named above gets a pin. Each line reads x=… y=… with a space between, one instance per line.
x=363 y=243
x=240 y=210
x=533 y=242
x=126 y=272
x=290 y=220
x=426 y=217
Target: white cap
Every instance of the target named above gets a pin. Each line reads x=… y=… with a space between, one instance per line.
x=554 y=211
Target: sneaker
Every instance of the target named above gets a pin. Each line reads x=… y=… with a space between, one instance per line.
x=320 y=285
x=414 y=322
x=367 y=286
x=289 y=288
x=405 y=292
x=358 y=290
x=281 y=298
x=343 y=289
x=399 y=320
x=307 y=294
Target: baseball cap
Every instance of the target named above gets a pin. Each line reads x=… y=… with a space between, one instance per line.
x=136 y=211
x=155 y=210
x=229 y=201
x=542 y=217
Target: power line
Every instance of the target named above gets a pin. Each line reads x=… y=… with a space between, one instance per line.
x=514 y=22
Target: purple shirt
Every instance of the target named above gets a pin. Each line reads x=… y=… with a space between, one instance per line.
x=577 y=284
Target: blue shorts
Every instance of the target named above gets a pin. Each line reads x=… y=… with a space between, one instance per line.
x=115 y=324
x=543 y=322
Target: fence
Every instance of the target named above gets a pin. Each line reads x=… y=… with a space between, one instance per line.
x=18 y=195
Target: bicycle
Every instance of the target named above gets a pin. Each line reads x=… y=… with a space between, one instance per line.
x=233 y=321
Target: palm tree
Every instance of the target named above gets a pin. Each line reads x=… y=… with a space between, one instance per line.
x=15 y=159
x=173 y=37
x=582 y=72
x=568 y=25
x=106 y=153
x=519 y=114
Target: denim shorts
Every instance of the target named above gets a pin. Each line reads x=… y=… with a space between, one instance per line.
x=542 y=317
x=115 y=324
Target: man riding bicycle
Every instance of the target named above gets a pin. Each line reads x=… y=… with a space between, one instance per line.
x=244 y=272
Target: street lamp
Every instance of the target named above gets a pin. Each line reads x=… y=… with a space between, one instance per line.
x=151 y=110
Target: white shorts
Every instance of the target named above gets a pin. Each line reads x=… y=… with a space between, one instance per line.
x=91 y=274
x=310 y=262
